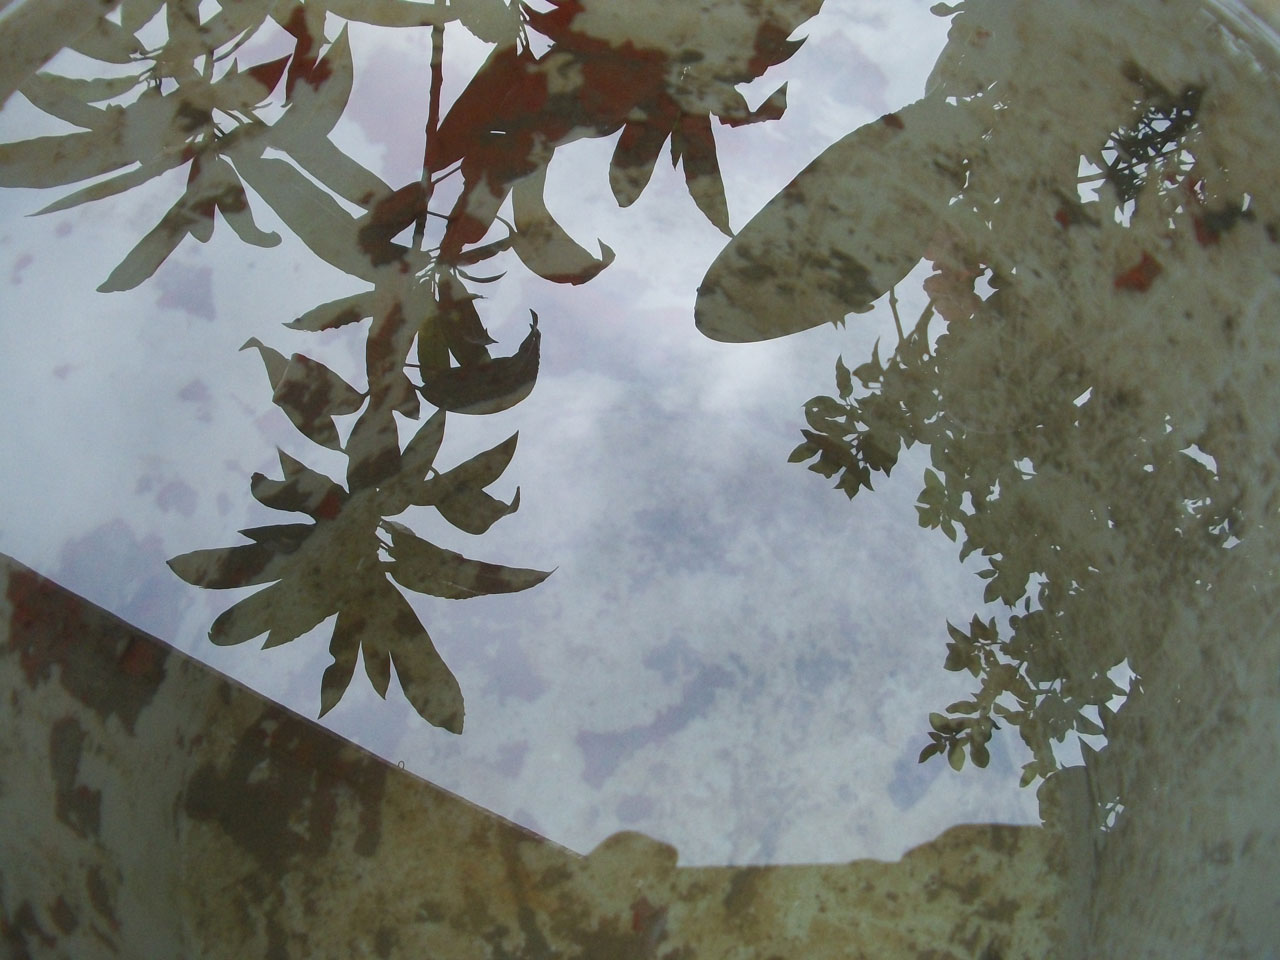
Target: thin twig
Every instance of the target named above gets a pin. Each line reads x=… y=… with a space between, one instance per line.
x=433 y=124
x=893 y=305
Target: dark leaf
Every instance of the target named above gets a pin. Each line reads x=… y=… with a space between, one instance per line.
x=311 y=213
x=931 y=750
x=425 y=568
x=302 y=490
x=335 y=313
x=636 y=154
x=469 y=121
x=389 y=216
x=474 y=511
x=53 y=161
x=844 y=379
x=466 y=336
x=283 y=537
x=153 y=249
x=978 y=751
x=420 y=453
x=277 y=610
x=108 y=42
x=357 y=628
x=695 y=144
x=233 y=204
x=225 y=567
x=343 y=647
x=456 y=488
x=373 y=449
x=57 y=97
x=426 y=681
x=432 y=345
x=830 y=258
x=542 y=244
x=803 y=452
x=311 y=395
x=272 y=359
x=486 y=387
x=772 y=109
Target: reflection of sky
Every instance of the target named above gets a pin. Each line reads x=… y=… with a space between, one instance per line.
x=729 y=656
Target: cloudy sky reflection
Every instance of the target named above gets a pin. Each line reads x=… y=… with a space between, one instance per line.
x=730 y=656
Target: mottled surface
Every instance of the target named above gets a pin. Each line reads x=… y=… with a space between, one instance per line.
x=220 y=825
x=1079 y=203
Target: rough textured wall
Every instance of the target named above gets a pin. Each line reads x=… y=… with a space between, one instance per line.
x=152 y=808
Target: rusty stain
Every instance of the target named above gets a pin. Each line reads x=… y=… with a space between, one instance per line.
x=101 y=897
x=63 y=916
x=1140 y=276
x=292 y=843
x=77 y=805
x=280 y=774
x=49 y=628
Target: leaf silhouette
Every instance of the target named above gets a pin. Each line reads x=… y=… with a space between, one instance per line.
x=153 y=249
x=302 y=490
x=637 y=152
x=115 y=185
x=108 y=42
x=460 y=323
x=486 y=387
x=542 y=244
x=335 y=313
x=425 y=568
x=193 y=104
x=337 y=676
x=738 y=114
x=388 y=217
x=459 y=493
x=830 y=243
x=418 y=456
x=693 y=143
x=225 y=567
x=56 y=160
x=217 y=189
x=426 y=681
x=311 y=213
x=373 y=449
x=332 y=566
x=383 y=627
x=308 y=392
x=71 y=100
x=282 y=611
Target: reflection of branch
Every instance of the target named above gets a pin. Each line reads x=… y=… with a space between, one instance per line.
x=1055 y=458
x=433 y=123
x=497 y=138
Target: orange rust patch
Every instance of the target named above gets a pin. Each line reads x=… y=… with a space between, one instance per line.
x=1140 y=277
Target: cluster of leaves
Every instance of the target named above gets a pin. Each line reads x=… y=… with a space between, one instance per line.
x=1157 y=135
x=1029 y=447
x=267 y=127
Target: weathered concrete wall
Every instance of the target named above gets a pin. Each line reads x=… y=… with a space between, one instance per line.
x=152 y=808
